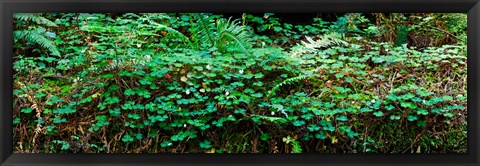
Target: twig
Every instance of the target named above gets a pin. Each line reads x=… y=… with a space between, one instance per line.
x=445 y=31
x=365 y=140
x=415 y=141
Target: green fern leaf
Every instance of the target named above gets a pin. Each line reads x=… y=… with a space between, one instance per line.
x=35 y=18
x=227 y=34
x=288 y=81
x=37 y=37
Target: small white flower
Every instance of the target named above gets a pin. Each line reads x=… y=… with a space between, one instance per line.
x=241 y=71
x=83 y=51
x=227 y=93
x=386 y=49
x=373 y=101
x=139 y=45
x=184 y=125
x=170 y=144
x=353 y=102
x=187 y=92
x=209 y=67
x=273 y=113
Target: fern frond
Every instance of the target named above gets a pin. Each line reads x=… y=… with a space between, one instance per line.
x=300 y=50
x=34 y=17
x=279 y=108
x=306 y=75
x=151 y=18
x=288 y=81
x=160 y=27
x=324 y=41
x=145 y=21
x=220 y=90
x=227 y=34
x=234 y=31
x=204 y=30
x=102 y=29
x=156 y=16
x=271 y=119
x=37 y=37
x=237 y=41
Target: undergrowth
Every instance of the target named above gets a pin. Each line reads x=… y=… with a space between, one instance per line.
x=203 y=83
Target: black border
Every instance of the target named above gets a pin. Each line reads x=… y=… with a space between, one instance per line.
x=7 y=7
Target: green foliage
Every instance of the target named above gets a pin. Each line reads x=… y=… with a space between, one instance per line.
x=26 y=110
x=205 y=144
x=296 y=148
x=64 y=145
x=203 y=83
x=35 y=35
x=127 y=138
x=34 y=17
x=220 y=36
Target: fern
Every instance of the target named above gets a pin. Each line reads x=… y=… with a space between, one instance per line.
x=311 y=45
x=325 y=41
x=279 y=108
x=300 y=50
x=307 y=74
x=235 y=32
x=150 y=18
x=226 y=34
x=35 y=18
x=37 y=36
x=221 y=89
x=138 y=21
x=203 y=30
x=271 y=119
x=102 y=29
x=288 y=81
